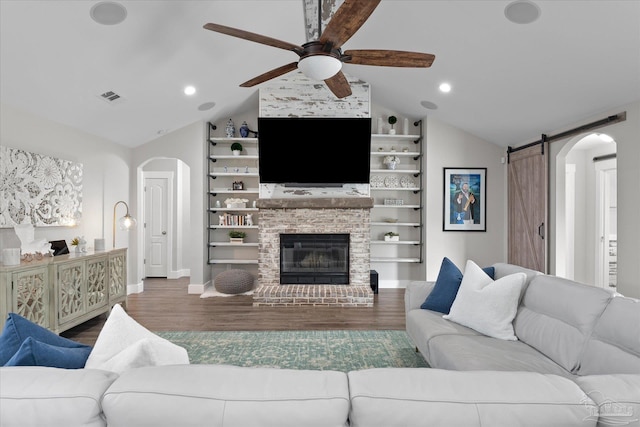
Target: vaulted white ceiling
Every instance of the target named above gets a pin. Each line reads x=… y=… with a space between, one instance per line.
x=511 y=82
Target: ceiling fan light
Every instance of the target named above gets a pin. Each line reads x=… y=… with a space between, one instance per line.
x=319 y=67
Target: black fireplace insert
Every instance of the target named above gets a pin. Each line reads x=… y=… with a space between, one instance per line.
x=308 y=259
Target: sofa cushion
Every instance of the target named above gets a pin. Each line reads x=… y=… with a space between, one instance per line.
x=17 y=329
x=36 y=353
x=557 y=316
x=614 y=345
x=124 y=344
x=479 y=352
x=435 y=397
x=486 y=305
x=222 y=395
x=446 y=287
x=617 y=397
x=423 y=325
x=44 y=396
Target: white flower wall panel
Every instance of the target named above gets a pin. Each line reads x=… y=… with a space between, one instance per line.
x=38 y=190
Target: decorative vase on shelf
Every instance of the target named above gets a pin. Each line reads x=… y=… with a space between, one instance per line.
x=244 y=129
x=392 y=165
x=230 y=129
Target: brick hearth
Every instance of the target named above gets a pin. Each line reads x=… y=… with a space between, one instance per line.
x=331 y=215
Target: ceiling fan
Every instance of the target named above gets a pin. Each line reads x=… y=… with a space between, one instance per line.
x=322 y=59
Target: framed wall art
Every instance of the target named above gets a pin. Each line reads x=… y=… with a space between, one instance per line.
x=39 y=190
x=465 y=195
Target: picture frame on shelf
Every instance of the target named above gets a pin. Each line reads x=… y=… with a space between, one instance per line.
x=464 y=199
x=238 y=185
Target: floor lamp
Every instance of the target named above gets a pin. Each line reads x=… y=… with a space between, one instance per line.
x=125 y=223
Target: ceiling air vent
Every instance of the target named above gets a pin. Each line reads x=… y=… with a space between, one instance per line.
x=111 y=97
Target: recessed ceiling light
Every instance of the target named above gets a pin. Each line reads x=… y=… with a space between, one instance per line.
x=429 y=105
x=108 y=13
x=189 y=90
x=445 y=87
x=522 y=12
x=206 y=106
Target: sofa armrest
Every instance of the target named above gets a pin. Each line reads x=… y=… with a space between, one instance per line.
x=415 y=294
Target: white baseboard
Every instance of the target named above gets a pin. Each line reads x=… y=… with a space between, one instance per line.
x=392 y=284
x=195 y=288
x=135 y=288
x=185 y=272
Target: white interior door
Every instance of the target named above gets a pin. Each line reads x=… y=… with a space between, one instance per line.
x=156 y=226
x=606 y=214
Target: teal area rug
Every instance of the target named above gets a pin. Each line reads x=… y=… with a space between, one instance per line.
x=338 y=350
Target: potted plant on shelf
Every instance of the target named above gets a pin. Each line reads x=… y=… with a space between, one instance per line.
x=236 y=236
x=236 y=148
x=391 y=237
x=392 y=121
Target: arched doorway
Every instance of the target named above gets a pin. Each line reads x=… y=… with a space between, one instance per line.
x=585 y=210
x=174 y=191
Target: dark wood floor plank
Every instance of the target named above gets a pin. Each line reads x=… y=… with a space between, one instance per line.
x=165 y=305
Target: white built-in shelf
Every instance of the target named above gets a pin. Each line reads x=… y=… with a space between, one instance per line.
x=213 y=226
x=214 y=209
x=232 y=157
x=231 y=191
x=396 y=153
x=394 y=260
x=398 y=206
x=233 y=261
x=398 y=224
x=399 y=242
x=236 y=174
x=214 y=244
x=411 y=171
x=232 y=140
x=395 y=137
x=395 y=188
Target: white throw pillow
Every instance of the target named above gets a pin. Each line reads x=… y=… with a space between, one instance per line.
x=123 y=344
x=486 y=305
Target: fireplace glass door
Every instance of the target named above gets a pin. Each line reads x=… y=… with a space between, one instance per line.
x=314 y=259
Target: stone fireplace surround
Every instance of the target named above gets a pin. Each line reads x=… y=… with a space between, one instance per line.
x=314 y=215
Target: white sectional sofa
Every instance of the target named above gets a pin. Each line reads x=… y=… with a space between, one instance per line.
x=575 y=363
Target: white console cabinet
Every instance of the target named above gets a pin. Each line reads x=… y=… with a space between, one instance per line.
x=61 y=292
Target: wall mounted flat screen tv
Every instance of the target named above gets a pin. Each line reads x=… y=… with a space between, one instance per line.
x=314 y=151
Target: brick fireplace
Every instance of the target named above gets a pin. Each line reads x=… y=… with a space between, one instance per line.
x=308 y=216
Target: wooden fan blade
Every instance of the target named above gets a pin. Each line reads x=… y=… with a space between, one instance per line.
x=389 y=58
x=258 y=38
x=270 y=74
x=347 y=20
x=339 y=85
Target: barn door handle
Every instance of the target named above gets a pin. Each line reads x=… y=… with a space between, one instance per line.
x=541 y=231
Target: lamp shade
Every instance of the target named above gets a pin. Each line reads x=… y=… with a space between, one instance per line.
x=319 y=67
x=127 y=222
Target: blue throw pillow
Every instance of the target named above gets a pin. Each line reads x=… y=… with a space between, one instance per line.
x=17 y=329
x=446 y=287
x=36 y=353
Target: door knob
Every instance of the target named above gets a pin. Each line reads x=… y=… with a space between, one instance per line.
x=164 y=232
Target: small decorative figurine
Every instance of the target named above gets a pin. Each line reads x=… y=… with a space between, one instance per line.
x=244 y=129
x=218 y=205
x=248 y=219
x=220 y=219
x=230 y=129
x=246 y=169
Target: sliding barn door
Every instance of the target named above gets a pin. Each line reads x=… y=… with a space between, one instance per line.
x=527 y=205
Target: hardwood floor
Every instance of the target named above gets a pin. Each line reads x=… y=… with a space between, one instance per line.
x=165 y=305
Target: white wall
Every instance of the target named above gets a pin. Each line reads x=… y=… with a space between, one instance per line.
x=106 y=172
x=626 y=134
x=448 y=146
